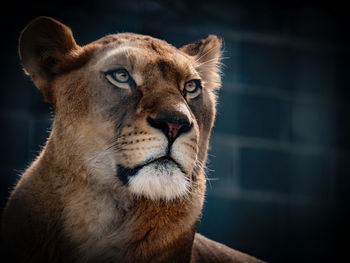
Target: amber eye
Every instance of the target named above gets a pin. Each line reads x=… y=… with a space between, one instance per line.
x=192 y=88
x=120 y=78
x=120 y=75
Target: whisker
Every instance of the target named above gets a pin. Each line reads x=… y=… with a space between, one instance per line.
x=205 y=54
x=201 y=166
x=209 y=61
x=111 y=144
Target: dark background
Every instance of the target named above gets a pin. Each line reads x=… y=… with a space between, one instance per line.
x=280 y=147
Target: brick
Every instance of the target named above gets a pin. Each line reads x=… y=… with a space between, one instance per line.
x=246 y=16
x=179 y=37
x=305 y=174
x=265 y=170
x=253 y=116
x=227 y=112
x=246 y=226
x=310 y=175
x=100 y=21
x=315 y=72
x=286 y=68
x=311 y=123
x=261 y=117
x=268 y=66
x=274 y=230
x=230 y=61
x=220 y=167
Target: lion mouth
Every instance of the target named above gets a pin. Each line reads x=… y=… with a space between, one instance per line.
x=124 y=173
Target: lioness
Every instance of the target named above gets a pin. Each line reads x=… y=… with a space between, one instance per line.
x=121 y=177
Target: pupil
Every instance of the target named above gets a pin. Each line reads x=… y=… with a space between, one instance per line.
x=191 y=86
x=122 y=75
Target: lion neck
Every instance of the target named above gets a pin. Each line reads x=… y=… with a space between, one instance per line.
x=163 y=232
x=128 y=228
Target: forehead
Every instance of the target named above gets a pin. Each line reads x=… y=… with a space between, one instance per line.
x=142 y=53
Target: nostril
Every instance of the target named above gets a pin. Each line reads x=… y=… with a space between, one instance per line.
x=161 y=125
x=172 y=127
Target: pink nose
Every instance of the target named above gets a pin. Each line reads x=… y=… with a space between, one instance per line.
x=171 y=126
x=173 y=130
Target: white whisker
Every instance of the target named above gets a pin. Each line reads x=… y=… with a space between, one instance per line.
x=205 y=54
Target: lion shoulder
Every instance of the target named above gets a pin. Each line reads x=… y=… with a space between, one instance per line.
x=205 y=250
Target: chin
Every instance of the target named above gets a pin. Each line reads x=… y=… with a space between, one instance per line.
x=161 y=180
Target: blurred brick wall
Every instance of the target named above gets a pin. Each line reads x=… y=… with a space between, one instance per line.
x=280 y=153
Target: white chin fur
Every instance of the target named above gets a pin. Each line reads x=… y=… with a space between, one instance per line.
x=160 y=182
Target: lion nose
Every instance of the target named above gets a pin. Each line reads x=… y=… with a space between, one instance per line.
x=171 y=125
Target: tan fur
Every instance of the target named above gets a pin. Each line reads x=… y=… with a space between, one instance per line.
x=71 y=205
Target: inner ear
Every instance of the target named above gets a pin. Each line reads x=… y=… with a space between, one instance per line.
x=43 y=45
x=206 y=54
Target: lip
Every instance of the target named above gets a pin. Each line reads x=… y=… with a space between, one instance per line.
x=160 y=160
x=124 y=173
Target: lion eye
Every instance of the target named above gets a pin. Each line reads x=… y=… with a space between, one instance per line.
x=120 y=78
x=120 y=75
x=192 y=88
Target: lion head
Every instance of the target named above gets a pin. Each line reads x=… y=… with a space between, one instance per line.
x=133 y=110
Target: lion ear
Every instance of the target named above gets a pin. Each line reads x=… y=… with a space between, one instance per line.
x=43 y=45
x=207 y=55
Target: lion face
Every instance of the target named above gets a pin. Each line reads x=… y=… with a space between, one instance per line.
x=136 y=111
x=156 y=132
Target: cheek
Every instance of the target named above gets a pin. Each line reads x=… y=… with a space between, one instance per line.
x=72 y=98
x=119 y=105
x=204 y=111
